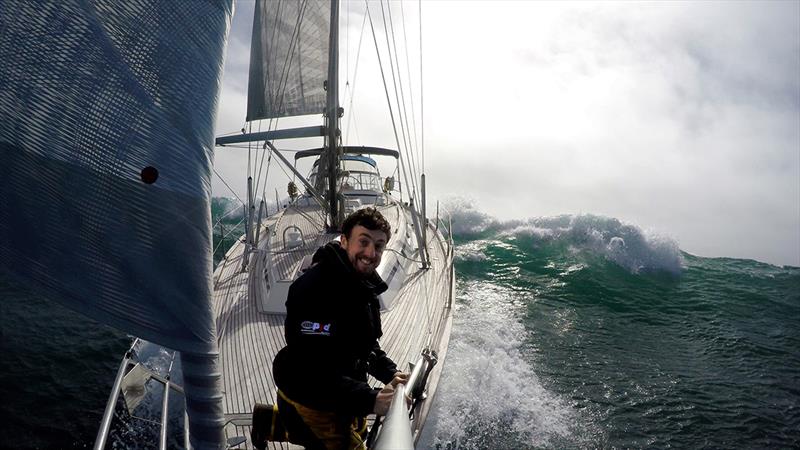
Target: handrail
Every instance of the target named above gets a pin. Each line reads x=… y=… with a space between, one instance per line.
x=127 y=360
x=175 y=387
x=105 y=424
x=395 y=432
x=302 y=236
x=165 y=406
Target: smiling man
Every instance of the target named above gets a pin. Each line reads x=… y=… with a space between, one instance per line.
x=332 y=329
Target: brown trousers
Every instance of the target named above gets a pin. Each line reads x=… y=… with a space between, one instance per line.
x=316 y=429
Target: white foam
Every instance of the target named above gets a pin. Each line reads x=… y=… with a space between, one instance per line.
x=625 y=244
x=471 y=251
x=466 y=219
x=489 y=392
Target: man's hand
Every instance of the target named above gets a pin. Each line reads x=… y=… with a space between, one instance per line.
x=399 y=378
x=383 y=400
x=402 y=378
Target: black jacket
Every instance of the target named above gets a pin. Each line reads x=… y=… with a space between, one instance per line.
x=332 y=328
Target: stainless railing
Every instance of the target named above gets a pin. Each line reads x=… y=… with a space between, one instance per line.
x=395 y=431
x=105 y=424
x=128 y=360
x=162 y=442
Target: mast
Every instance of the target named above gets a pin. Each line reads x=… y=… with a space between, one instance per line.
x=331 y=159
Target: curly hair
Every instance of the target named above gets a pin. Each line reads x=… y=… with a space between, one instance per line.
x=369 y=218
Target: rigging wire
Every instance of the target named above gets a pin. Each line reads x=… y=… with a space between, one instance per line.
x=225 y=236
x=426 y=286
x=260 y=168
x=388 y=101
x=410 y=84
x=230 y=211
x=409 y=127
x=399 y=105
x=283 y=170
x=421 y=96
x=410 y=142
x=352 y=120
x=351 y=115
x=403 y=111
x=414 y=146
x=228 y=186
x=422 y=146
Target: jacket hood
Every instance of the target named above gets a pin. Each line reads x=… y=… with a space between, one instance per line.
x=334 y=255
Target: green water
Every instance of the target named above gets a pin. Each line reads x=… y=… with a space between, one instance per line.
x=569 y=332
x=567 y=337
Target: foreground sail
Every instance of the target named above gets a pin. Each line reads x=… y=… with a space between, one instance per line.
x=114 y=111
x=106 y=139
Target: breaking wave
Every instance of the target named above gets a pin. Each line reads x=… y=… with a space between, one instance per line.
x=624 y=244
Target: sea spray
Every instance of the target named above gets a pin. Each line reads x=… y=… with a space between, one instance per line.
x=625 y=244
x=493 y=398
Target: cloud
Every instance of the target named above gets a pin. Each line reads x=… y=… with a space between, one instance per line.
x=683 y=117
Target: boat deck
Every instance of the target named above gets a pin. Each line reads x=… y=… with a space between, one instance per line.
x=248 y=339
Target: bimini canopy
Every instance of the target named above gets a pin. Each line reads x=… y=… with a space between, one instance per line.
x=350 y=150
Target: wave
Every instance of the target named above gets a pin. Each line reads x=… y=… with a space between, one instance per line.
x=624 y=244
x=231 y=210
x=227 y=209
x=496 y=400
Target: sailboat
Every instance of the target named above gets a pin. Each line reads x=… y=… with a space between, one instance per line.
x=106 y=137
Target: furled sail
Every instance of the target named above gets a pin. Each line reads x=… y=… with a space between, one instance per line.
x=288 y=58
x=106 y=140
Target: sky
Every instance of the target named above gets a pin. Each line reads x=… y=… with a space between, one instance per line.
x=682 y=118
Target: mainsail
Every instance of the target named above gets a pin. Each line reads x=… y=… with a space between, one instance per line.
x=106 y=141
x=288 y=58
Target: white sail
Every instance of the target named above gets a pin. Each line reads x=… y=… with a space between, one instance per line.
x=106 y=141
x=288 y=58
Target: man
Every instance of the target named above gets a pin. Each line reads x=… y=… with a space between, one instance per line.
x=332 y=328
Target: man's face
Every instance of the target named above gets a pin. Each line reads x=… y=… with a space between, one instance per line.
x=364 y=248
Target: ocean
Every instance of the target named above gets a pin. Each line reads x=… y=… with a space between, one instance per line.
x=576 y=331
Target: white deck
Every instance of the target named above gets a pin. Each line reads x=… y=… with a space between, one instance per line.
x=249 y=340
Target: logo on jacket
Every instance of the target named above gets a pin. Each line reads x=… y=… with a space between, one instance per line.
x=315 y=328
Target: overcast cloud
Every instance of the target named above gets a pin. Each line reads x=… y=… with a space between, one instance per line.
x=683 y=118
